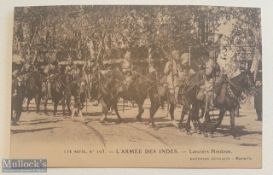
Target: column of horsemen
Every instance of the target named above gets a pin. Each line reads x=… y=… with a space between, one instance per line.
x=72 y=85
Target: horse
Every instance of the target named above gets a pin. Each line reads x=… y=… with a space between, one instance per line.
x=112 y=86
x=227 y=93
x=189 y=92
x=17 y=99
x=137 y=91
x=108 y=87
x=57 y=92
x=160 y=93
x=33 y=86
x=78 y=90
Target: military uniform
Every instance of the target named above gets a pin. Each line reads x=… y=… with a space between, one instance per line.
x=126 y=68
x=67 y=69
x=206 y=92
x=152 y=71
x=75 y=71
x=49 y=72
x=15 y=79
x=88 y=71
x=226 y=61
x=171 y=73
x=184 y=69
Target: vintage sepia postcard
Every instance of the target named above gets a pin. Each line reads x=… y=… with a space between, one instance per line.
x=137 y=86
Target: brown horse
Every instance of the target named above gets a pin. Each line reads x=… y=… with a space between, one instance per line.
x=33 y=86
x=109 y=86
x=78 y=87
x=112 y=86
x=137 y=91
x=227 y=93
x=58 y=89
x=189 y=92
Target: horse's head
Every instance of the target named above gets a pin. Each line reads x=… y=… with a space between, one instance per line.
x=244 y=82
x=247 y=81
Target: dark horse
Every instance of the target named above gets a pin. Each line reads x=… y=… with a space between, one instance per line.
x=17 y=99
x=191 y=103
x=227 y=92
x=78 y=90
x=108 y=88
x=57 y=92
x=112 y=87
x=33 y=88
x=159 y=94
x=137 y=91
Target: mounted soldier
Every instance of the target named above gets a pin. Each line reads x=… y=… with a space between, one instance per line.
x=152 y=71
x=206 y=92
x=88 y=73
x=49 y=71
x=227 y=63
x=75 y=72
x=151 y=66
x=126 y=68
x=184 y=69
x=171 y=73
x=26 y=69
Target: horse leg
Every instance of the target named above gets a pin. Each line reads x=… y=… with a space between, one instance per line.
x=154 y=107
x=171 y=111
x=105 y=108
x=195 y=117
x=259 y=115
x=140 y=110
x=232 y=124
x=237 y=111
x=28 y=101
x=188 y=124
x=213 y=128
x=67 y=99
x=38 y=102
x=56 y=102
x=80 y=114
x=45 y=105
x=18 y=114
x=115 y=106
x=63 y=106
x=183 y=113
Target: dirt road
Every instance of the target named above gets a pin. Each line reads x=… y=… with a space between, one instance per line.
x=42 y=135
